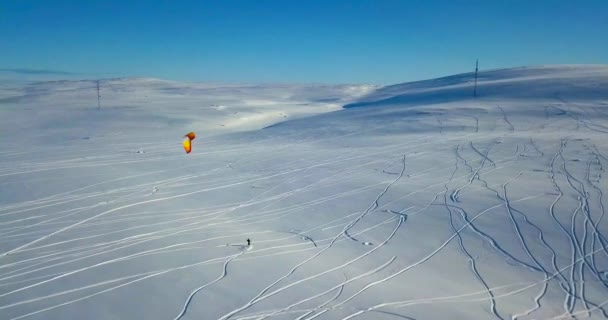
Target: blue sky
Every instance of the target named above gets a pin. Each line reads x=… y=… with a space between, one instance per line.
x=328 y=41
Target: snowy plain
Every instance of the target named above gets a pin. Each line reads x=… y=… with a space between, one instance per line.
x=411 y=201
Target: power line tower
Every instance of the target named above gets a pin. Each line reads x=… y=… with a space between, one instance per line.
x=476 y=69
x=98 y=96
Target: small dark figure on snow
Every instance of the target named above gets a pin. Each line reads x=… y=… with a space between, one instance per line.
x=248 y=242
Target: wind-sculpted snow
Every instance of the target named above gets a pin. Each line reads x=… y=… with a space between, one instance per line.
x=408 y=206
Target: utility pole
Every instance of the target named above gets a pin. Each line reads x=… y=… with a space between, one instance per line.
x=476 y=68
x=98 y=96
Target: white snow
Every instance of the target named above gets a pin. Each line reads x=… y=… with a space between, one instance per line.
x=414 y=200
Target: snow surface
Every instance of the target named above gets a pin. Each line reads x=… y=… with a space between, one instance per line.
x=414 y=201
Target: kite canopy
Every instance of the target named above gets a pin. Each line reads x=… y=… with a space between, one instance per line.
x=187 y=145
x=188 y=141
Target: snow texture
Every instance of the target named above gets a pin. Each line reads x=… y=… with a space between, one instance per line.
x=413 y=201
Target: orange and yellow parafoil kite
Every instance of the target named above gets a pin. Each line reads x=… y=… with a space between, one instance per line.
x=188 y=141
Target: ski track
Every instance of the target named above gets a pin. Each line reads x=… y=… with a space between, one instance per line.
x=506 y=119
x=339 y=286
x=463 y=248
x=223 y=275
x=458 y=298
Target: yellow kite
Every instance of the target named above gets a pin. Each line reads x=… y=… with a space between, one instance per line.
x=188 y=141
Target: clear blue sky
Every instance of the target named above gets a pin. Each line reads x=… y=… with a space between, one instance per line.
x=328 y=41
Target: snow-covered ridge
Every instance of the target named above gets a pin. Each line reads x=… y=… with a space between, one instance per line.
x=540 y=82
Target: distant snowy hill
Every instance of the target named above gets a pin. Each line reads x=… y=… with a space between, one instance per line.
x=413 y=201
x=579 y=82
x=219 y=107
